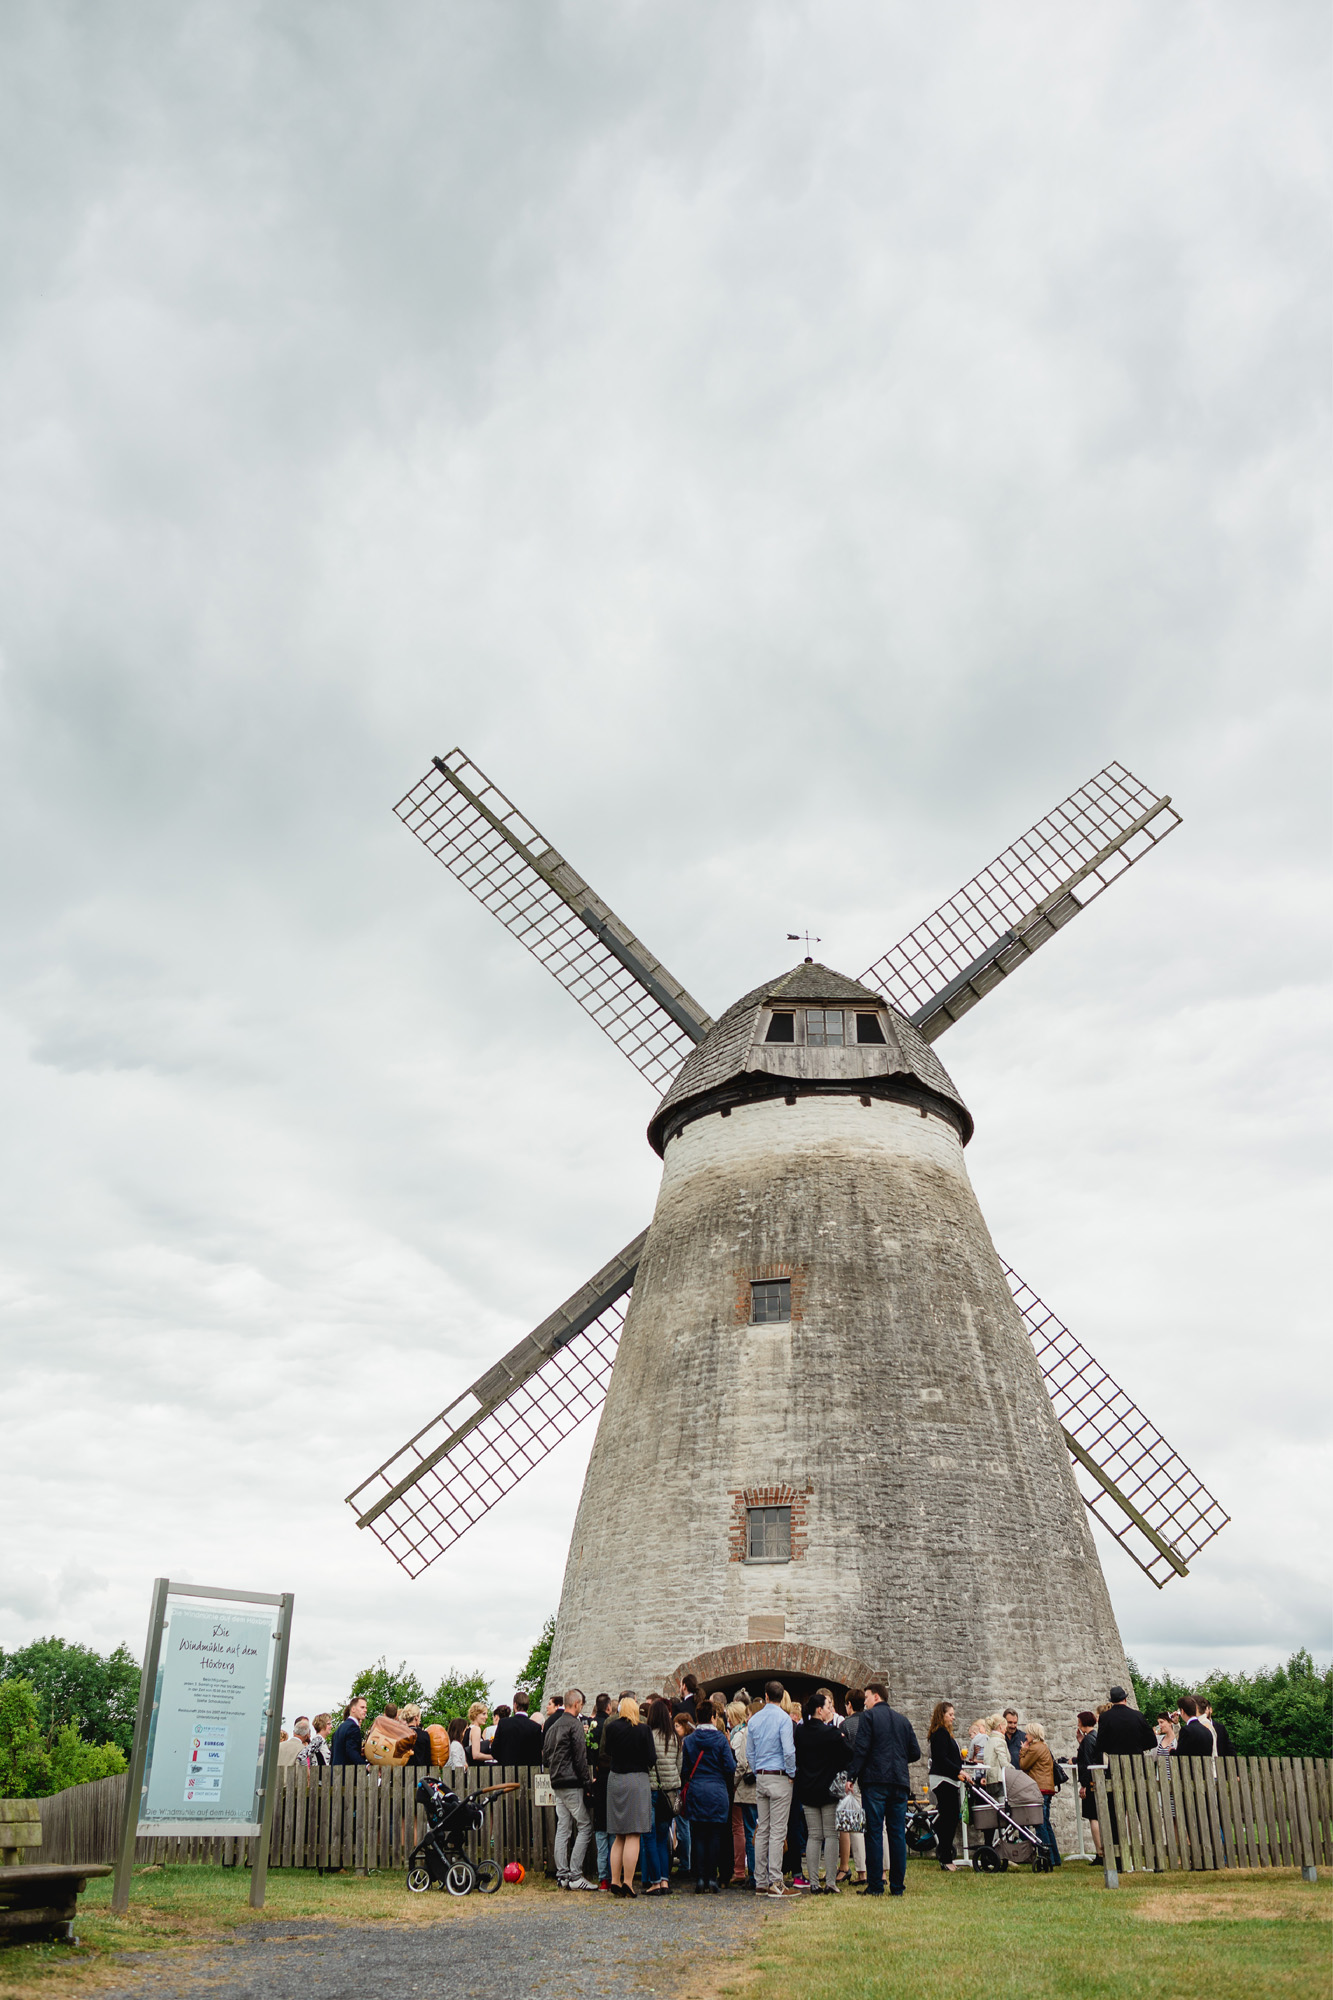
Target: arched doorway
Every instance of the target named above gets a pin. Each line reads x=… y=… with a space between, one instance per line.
x=800 y=1668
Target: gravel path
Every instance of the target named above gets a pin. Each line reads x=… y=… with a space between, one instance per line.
x=561 y=1946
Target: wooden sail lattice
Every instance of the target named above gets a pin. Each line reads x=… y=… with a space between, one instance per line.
x=1135 y=1483
x=1016 y=904
x=482 y=838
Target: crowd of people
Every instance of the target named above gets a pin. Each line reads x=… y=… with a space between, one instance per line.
x=755 y=1791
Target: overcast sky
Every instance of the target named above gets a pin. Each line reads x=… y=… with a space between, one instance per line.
x=789 y=448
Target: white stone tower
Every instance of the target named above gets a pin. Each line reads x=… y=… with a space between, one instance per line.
x=838 y=1431
x=827 y=1450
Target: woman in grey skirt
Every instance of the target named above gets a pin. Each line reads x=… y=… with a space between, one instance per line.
x=629 y=1747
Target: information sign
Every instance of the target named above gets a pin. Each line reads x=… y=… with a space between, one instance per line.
x=207 y=1737
x=205 y=1751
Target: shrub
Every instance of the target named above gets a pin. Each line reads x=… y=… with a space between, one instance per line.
x=456 y=1693
x=25 y=1768
x=1284 y=1711
x=531 y=1678
x=380 y=1684
x=75 y=1684
x=74 y=1762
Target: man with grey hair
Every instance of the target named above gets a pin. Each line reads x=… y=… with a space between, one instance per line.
x=565 y=1756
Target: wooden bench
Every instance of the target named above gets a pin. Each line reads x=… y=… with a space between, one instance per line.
x=20 y=1831
x=38 y=1900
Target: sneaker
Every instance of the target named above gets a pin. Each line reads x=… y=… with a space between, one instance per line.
x=799 y=1882
x=577 y=1882
x=776 y=1890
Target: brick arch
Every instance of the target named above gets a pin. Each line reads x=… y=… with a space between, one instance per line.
x=771 y=1658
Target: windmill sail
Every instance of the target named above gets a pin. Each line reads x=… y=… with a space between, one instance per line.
x=497 y=854
x=995 y=922
x=1135 y=1484
x=443 y=1480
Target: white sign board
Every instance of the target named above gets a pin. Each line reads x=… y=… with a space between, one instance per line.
x=543 y=1793
x=206 y=1743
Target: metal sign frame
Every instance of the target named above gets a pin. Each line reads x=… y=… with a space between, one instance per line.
x=163 y=1591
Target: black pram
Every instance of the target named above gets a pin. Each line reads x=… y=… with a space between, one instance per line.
x=438 y=1860
x=1010 y=1821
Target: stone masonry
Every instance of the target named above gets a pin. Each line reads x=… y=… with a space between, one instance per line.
x=939 y=1539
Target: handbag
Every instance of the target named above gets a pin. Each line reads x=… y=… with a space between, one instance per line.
x=662 y=1813
x=685 y=1788
x=850 y=1816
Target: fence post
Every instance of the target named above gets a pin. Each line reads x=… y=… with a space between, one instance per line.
x=1098 y=1774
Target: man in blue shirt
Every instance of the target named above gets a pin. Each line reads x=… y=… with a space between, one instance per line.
x=770 y=1751
x=885 y=1746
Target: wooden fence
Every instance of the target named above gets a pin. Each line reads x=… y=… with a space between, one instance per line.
x=1160 y=1813
x=355 y=1817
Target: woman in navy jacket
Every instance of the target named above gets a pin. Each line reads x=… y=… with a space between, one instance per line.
x=707 y=1766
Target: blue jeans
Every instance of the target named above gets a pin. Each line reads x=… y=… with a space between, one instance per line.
x=1047 y=1830
x=604 y=1857
x=886 y=1812
x=749 y=1820
x=683 y=1844
x=655 y=1854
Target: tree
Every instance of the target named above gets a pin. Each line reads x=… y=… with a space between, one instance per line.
x=531 y=1677
x=380 y=1684
x=456 y=1693
x=74 y=1762
x=25 y=1768
x=1284 y=1711
x=74 y=1684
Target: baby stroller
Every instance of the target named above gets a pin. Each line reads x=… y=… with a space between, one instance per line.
x=438 y=1860
x=920 y=1829
x=1010 y=1823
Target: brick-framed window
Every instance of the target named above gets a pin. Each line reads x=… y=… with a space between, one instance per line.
x=778 y=1513
x=770 y=1301
x=792 y=1275
x=768 y=1534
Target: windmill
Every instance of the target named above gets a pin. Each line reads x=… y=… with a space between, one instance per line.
x=841 y=1436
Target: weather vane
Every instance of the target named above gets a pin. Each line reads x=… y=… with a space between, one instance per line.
x=795 y=937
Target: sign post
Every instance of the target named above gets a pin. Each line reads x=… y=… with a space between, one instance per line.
x=206 y=1736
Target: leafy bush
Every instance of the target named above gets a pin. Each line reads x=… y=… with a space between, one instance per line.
x=74 y=1762
x=1284 y=1711
x=25 y=1768
x=531 y=1678
x=380 y=1684
x=74 y=1684
x=455 y=1695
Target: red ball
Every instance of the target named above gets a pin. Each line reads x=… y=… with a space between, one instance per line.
x=514 y=1871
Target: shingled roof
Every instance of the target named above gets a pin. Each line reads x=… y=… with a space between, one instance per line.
x=722 y=1056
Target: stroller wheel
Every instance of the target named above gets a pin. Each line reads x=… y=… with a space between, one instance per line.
x=987 y=1862
x=418 y=1880
x=461 y=1879
x=489 y=1877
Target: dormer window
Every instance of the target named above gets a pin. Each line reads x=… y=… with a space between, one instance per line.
x=824 y=1027
x=781 y=1028
x=868 y=1028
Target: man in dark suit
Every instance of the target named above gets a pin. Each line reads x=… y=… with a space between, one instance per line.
x=885 y=1746
x=346 y=1745
x=517 y=1738
x=1195 y=1738
x=1122 y=1731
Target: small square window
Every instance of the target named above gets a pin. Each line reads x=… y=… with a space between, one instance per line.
x=868 y=1028
x=770 y=1301
x=823 y=1027
x=781 y=1028
x=768 y=1534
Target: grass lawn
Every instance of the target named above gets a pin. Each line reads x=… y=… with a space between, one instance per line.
x=971 y=1937
x=953 y=1937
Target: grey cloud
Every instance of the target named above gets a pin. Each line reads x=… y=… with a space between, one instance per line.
x=790 y=450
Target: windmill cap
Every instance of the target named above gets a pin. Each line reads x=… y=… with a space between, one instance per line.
x=734 y=1064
